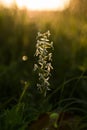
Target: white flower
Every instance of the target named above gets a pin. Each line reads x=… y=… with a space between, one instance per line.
x=50 y=56
x=49 y=66
x=35 y=67
x=43 y=48
x=52 y=45
x=37 y=52
x=39 y=34
x=39 y=87
x=48 y=33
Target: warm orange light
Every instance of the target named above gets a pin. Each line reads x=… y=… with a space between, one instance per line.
x=6 y=2
x=39 y=4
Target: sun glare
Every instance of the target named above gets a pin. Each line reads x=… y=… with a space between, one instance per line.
x=39 y=4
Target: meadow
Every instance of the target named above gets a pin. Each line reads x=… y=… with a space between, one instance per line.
x=21 y=104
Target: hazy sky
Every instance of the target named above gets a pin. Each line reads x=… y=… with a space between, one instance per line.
x=39 y=4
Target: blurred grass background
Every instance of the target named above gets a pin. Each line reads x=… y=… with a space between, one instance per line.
x=18 y=31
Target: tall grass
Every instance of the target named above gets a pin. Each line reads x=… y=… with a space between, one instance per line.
x=20 y=104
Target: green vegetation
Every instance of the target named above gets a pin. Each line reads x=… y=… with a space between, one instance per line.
x=20 y=101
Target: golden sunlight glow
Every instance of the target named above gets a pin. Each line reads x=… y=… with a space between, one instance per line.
x=6 y=2
x=39 y=4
